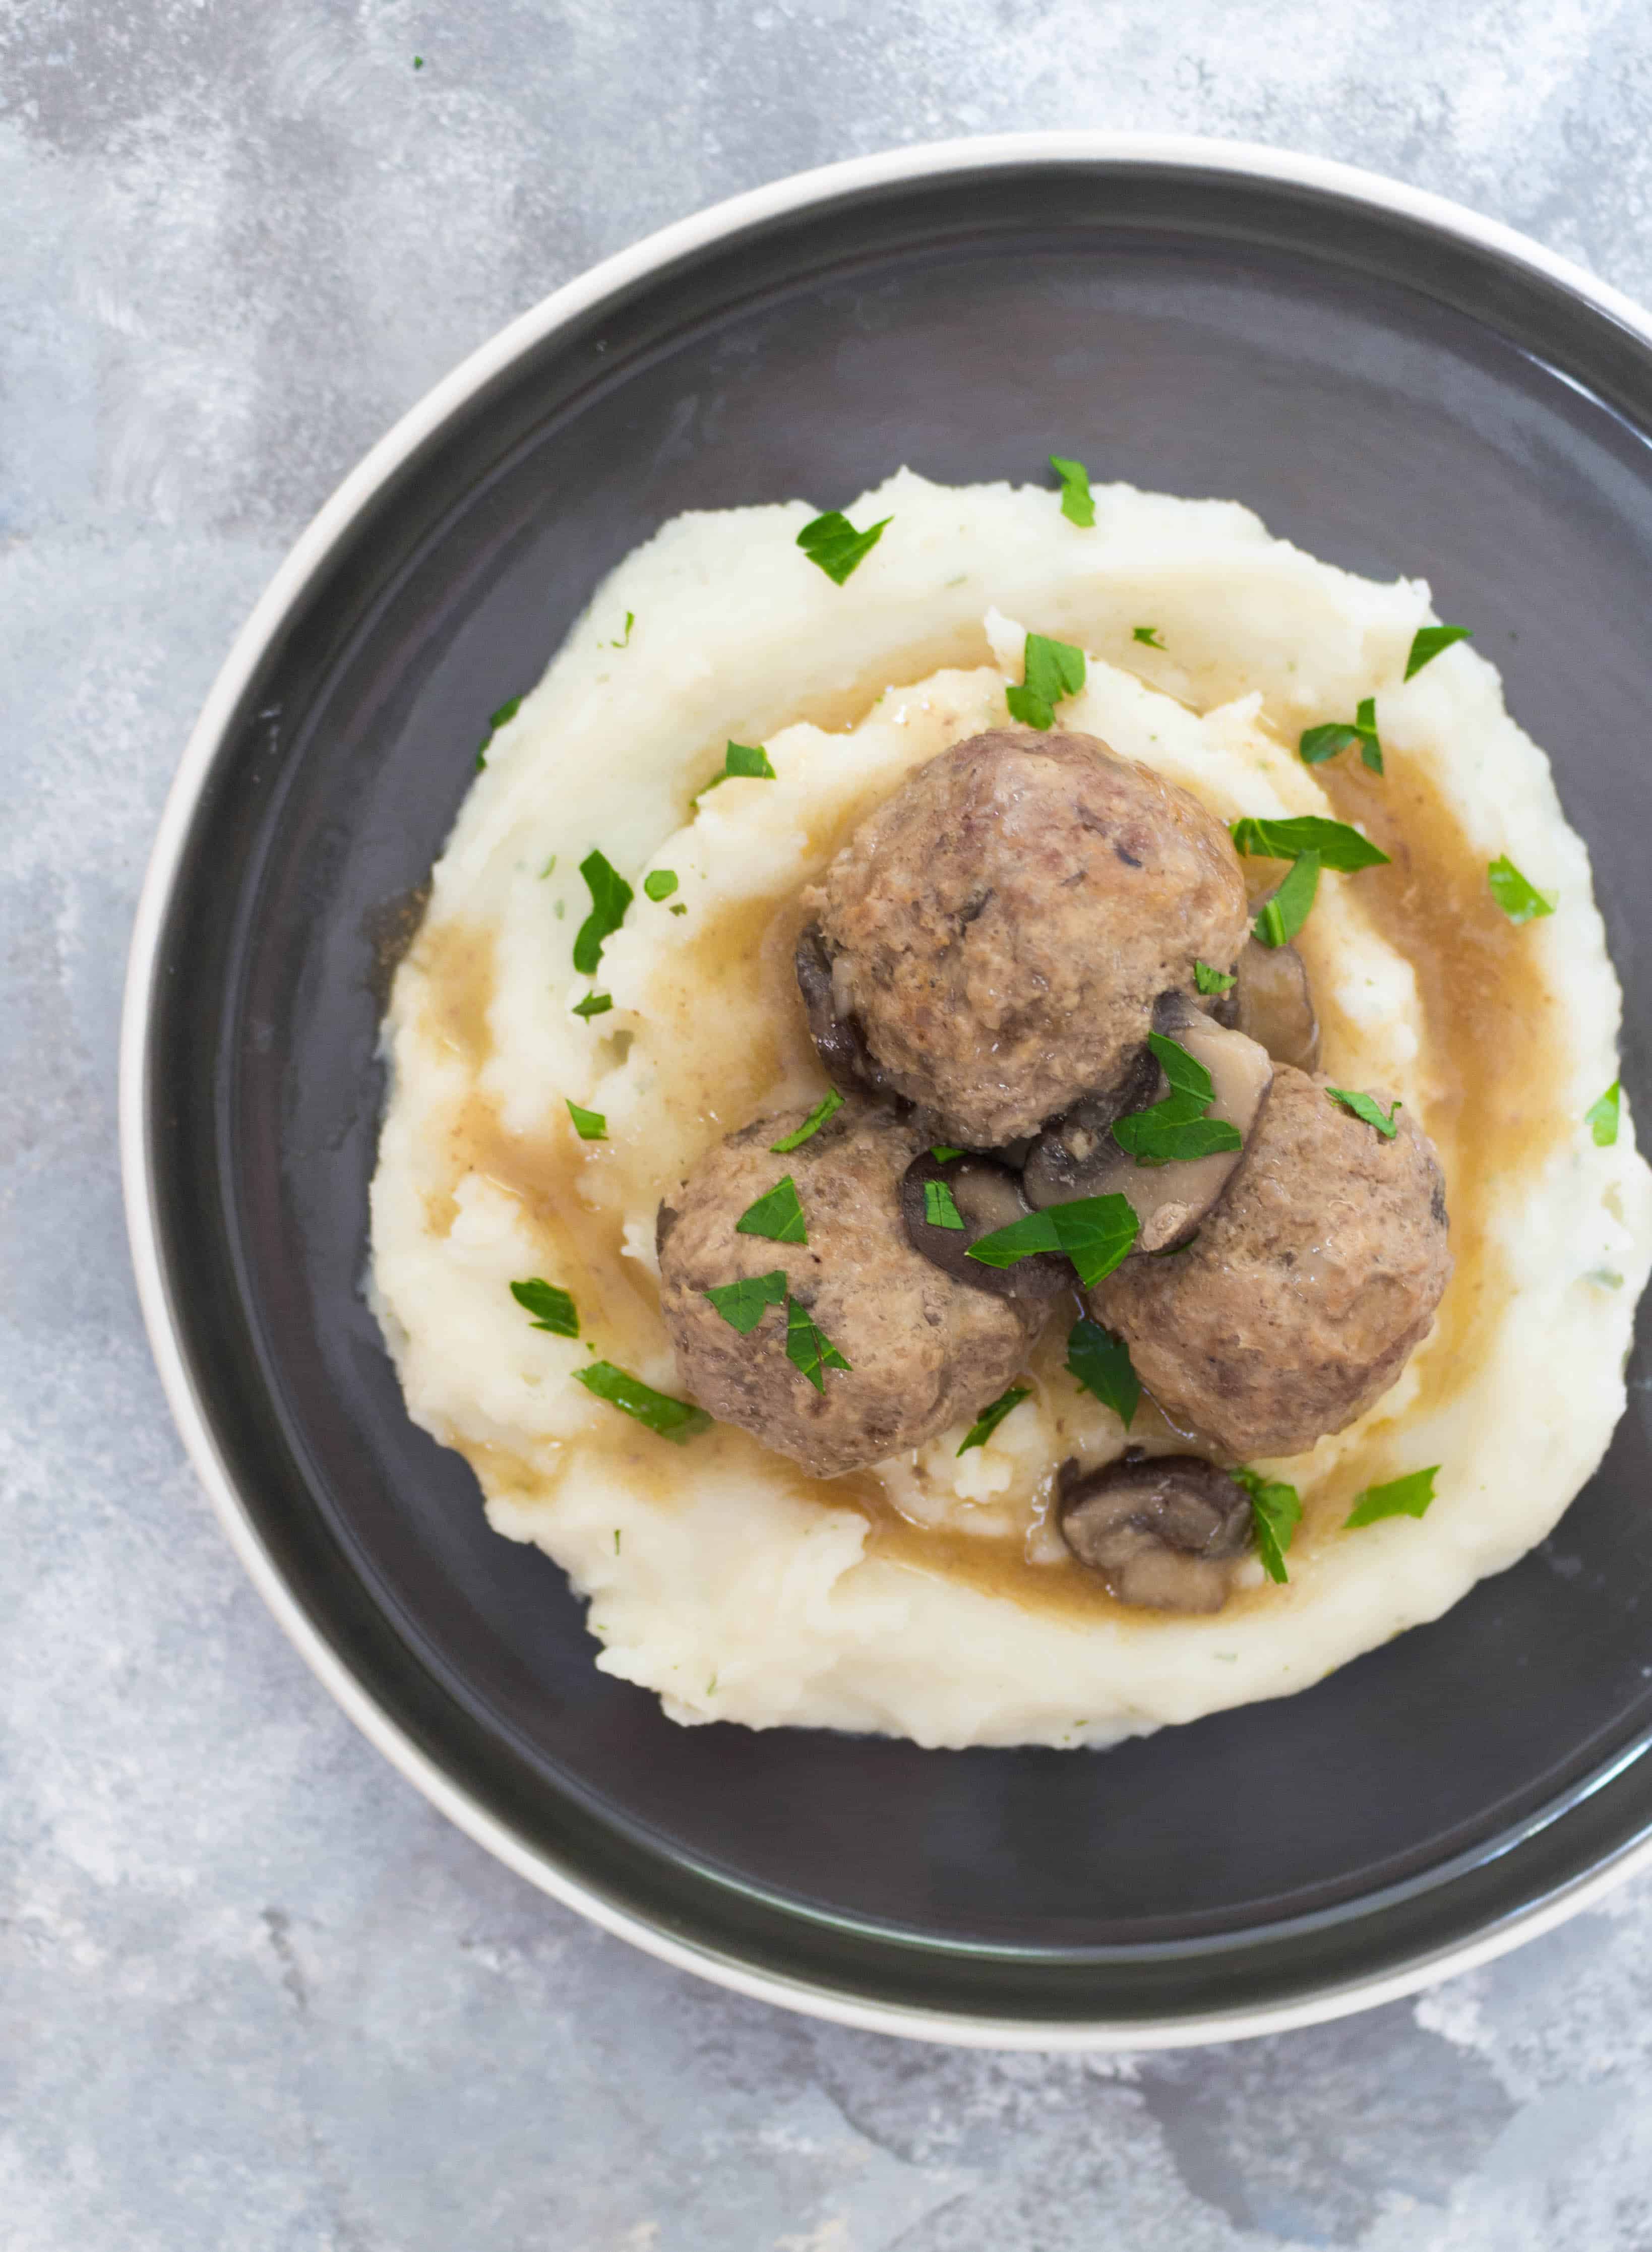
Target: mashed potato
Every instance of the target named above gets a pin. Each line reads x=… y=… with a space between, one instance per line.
x=934 y=1598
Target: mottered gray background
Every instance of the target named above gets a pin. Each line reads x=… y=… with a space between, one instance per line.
x=254 y=1992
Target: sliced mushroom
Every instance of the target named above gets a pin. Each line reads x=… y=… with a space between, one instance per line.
x=1169 y=1201
x=837 y=1029
x=988 y=1196
x=1161 y=1530
x=1062 y=1160
x=1274 y=1005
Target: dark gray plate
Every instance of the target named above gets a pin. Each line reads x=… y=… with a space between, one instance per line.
x=1397 y=396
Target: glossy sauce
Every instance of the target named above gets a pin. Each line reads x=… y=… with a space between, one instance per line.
x=1490 y=1026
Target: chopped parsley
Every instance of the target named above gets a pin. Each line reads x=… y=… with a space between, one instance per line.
x=589 y=1125
x=808 y=1349
x=743 y=1305
x=1276 y=1510
x=1050 y=669
x=419 y=62
x=1601 y=1117
x=1078 y=503
x=778 y=1215
x=610 y=896
x=660 y=883
x=1176 y=1128
x=990 y=1418
x=552 y=1309
x=1520 y=900
x=1095 y=1233
x=624 y=642
x=1365 y=1107
x=1209 y=980
x=830 y=1104
x=595 y=1004
x=832 y=541
x=1428 y=640
x=1283 y=915
x=1102 y=1365
x=941 y=1208
x=1338 y=844
x=499 y=719
x=1147 y=635
x=676 y=1419
x=743 y=761
x=1402 y=1497
x=679 y=910
x=1319 y=743
x=943 y=1153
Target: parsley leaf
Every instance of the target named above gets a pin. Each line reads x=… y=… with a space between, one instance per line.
x=1428 y=640
x=943 y=1153
x=1338 y=845
x=1147 y=635
x=1318 y=744
x=610 y=896
x=1365 y=722
x=940 y=1209
x=589 y=1125
x=1101 y=1363
x=1283 y=915
x=830 y=1104
x=1276 y=1510
x=1365 y=1106
x=624 y=642
x=832 y=541
x=778 y=1215
x=1095 y=1233
x=1078 y=504
x=1051 y=670
x=808 y=1349
x=499 y=719
x=1209 y=980
x=660 y=883
x=1601 y=1117
x=1176 y=1128
x=676 y=1419
x=595 y=1004
x=990 y=1418
x=1402 y=1497
x=743 y=1305
x=1520 y=901
x=743 y=761
x=552 y=1309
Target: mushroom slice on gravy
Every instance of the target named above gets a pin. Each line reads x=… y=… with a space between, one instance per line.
x=1161 y=1529
x=1070 y=1159
x=986 y=1196
x=1272 y=1004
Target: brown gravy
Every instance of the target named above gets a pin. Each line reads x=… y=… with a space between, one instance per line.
x=1491 y=1024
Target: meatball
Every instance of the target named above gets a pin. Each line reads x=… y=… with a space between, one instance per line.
x=1297 y=1304
x=924 y=1350
x=999 y=930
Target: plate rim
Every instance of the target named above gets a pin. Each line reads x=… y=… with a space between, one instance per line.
x=923 y=160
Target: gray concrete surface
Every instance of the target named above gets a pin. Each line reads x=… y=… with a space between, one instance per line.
x=255 y=1993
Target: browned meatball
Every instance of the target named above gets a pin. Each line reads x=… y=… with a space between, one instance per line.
x=923 y=1349
x=1307 y=1286
x=999 y=930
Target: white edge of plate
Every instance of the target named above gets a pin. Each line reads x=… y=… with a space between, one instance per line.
x=931 y=160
